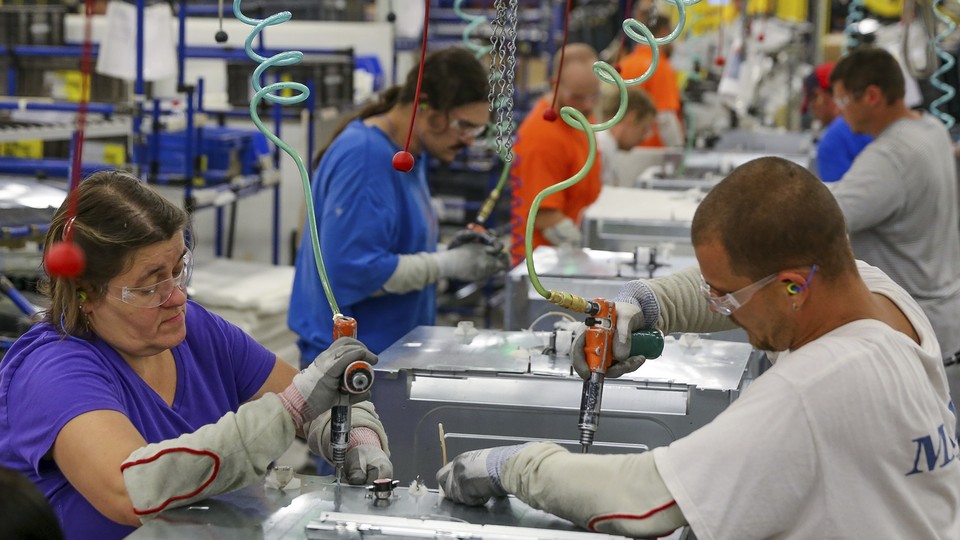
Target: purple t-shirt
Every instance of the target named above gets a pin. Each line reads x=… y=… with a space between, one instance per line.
x=46 y=381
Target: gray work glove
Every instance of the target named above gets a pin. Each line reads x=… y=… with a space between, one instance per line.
x=564 y=233
x=367 y=459
x=471 y=262
x=637 y=309
x=473 y=477
x=366 y=463
x=316 y=389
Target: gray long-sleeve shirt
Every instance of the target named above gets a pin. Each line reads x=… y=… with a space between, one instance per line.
x=900 y=202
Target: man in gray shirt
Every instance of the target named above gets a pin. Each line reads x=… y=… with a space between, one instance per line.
x=899 y=197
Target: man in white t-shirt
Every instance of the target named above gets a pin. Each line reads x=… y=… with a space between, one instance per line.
x=851 y=433
x=635 y=126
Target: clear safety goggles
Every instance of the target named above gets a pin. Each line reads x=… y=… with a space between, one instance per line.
x=468 y=129
x=730 y=302
x=157 y=294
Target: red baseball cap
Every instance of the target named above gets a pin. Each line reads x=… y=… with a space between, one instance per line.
x=819 y=78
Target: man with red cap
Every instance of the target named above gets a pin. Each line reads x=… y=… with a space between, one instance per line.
x=838 y=146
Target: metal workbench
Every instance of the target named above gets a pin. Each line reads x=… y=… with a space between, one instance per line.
x=312 y=510
x=623 y=218
x=497 y=388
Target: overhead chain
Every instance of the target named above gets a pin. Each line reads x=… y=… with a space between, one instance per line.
x=503 y=58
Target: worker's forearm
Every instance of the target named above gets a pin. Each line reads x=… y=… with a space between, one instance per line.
x=230 y=454
x=620 y=494
x=682 y=307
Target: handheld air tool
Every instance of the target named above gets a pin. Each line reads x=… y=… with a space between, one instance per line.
x=357 y=379
x=598 y=350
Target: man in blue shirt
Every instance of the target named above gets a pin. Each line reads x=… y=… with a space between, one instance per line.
x=838 y=146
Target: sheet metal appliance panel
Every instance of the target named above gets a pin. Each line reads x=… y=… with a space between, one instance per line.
x=255 y=513
x=497 y=389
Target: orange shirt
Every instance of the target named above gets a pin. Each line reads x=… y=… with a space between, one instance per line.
x=547 y=153
x=662 y=84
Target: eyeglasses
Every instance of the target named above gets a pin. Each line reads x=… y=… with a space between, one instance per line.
x=844 y=101
x=467 y=128
x=157 y=294
x=725 y=305
x=730 y=302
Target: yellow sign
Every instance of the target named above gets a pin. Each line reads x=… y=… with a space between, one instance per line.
x=28 y=149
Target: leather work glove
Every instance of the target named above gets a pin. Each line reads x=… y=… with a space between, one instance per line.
x=564 y=233
x=316 y=389
x=473 y=477
x=637 y=309
x=471 y=262
x=366 y=463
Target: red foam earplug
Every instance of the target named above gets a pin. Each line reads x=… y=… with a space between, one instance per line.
x=65 y=260
x=403 y=161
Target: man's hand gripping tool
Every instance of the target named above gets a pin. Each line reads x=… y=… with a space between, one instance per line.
x=598 y=350
x=357 y=379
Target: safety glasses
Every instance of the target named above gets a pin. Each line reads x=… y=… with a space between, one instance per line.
x=728 y=303
x=467 y=128
x=157 y=294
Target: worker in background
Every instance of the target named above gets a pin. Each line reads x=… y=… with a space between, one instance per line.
x=636 y=125
x=838 y=146
x=548 y=152
x=128 y=399
x=662 y=86
x=851 y=433
x=376 y=225
x=24 y=513
x=900 y=195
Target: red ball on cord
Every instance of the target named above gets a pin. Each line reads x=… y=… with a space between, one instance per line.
x=403 y=161
x=550 y=115
x=65 y=260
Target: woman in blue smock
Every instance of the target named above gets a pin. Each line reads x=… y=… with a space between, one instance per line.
x=376 y=226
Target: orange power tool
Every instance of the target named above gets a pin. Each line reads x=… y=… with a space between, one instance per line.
x=598 y=350
x=357 y=378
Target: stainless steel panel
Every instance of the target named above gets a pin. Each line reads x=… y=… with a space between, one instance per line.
x=545 y=394
x=498 y=388
x=438 y=351
x=306 y=512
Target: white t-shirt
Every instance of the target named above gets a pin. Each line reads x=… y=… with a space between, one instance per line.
x=851 y=436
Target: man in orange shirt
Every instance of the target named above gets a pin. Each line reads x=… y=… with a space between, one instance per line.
x=548 y=152
x=662 y=84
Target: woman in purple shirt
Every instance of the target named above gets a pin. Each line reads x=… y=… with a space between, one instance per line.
x=128 y=398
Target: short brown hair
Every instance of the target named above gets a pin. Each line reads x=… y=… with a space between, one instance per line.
x=638 y=101
x=117 y=214
x=770 y=214
x=870 y=66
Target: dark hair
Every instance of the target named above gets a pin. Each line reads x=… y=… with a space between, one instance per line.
x=870 y=66
x=117 y=214
x=770 y=214
x=452 y=77
x=24 y=513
